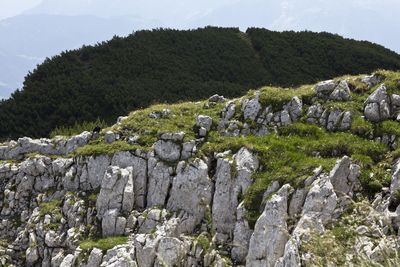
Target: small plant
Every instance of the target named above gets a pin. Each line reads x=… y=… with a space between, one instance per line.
x=77 y=128
x=100 y=148
x=51 y=208
x=277 y=97
x=103 y=243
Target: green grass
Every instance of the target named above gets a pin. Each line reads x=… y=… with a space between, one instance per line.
x=100 y=148
x=387 y=128
x=277 y=97
x=51 y=207
x=77 y=128
x=361 y=127
x=291 y=155
x=103 y=243
x=182 y=119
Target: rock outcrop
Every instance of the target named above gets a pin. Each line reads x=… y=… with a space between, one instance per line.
x=206 y=194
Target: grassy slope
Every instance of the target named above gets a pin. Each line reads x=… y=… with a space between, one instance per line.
x=288 y=156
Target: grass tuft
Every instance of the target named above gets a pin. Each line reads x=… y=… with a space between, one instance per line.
x=103 y=243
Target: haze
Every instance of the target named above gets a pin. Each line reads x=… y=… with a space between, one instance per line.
x=31 y=30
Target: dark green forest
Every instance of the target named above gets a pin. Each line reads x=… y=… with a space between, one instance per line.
x=163 y=65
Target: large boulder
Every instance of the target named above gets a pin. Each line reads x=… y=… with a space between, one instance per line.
x=168 y=148
x=116 y=191
x=270 y=234
x=191 y=193
x=377 y=106
x=344 y=176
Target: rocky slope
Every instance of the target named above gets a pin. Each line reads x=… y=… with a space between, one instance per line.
x=279 y=177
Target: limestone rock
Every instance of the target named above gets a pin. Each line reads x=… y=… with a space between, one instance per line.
x=325 y=88
x=165 y=113
x=344 y=176
x=341 y=92
x=241 y=236
x=167 y=150
x=68 y=261
x=204 y=121
x=251 y=108
x=116 y=191
x=190 y=193
x=170 y=252
x=109 y=137
x=159 y=181
x=216 y=98
x=377 y=105
x=270 y=234
x=371 y=80
x=95 y=258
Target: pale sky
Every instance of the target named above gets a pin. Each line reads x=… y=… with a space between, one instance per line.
x=10 y=8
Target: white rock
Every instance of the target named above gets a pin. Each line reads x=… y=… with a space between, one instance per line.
x=167 y=150
x=344 y=176
x=190 y=193
x=159 y=181
x=109 y=137
x=341 y=92
x=112 y=190
x=241 y=236
x=95 y=258
x=270 y=234
x=204 y=121
x=170 y=252
x=325 y=88
x=68 y=261
x=251 y=109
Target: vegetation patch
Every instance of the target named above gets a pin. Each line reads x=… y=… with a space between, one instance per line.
x=181 y=119
x=277 y=97
x=52 y=208
x=103 y=243
x=78 y=128
x=99 y=147
x=291 y=155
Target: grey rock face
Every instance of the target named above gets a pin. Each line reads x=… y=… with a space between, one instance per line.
x=204 y=121
x=371 y=80
x=216 y=98
x=230 y=181
x=344 y=176
x=241 y=234
x=169 y=147
x=109 y=137
x=190 y=193
x=165 y=113
x=341 y=92
x=251 y=108
x=377 y=106
x=270 y=234
x=95 y=257
x=294 y=108
x=139 y=173
x=171 y=252
x=116 y=191
x=325 y=88
x=159 y=181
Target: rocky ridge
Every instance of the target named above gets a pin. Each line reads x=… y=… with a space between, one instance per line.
x=136 y=197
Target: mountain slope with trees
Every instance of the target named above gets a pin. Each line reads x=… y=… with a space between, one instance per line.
x=163 y=65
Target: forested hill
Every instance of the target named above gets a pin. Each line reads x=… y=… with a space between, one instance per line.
x=147 y=67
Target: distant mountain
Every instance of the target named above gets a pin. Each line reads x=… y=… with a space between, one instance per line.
x=124 y=74
x=26 y=40
x=375 y=21
x=99 y=20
